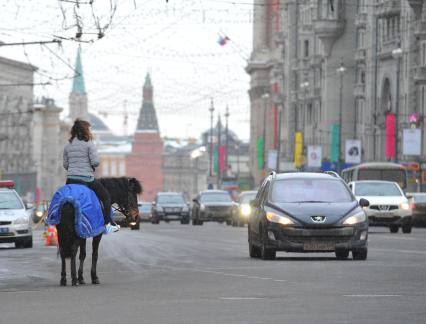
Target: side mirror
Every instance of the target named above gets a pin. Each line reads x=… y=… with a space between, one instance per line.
x=364 y=202
x=195 y=200
x=153 y=203
x=253 y=203
x=409 y=196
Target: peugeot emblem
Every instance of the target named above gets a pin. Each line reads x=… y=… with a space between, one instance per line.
x=318 y=219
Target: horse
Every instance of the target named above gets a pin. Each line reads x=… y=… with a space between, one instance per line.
x=123 y=192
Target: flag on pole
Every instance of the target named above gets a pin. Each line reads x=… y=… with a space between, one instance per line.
x=223 y=40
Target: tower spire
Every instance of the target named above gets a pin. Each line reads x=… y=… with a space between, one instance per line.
x=147 y=116
x=78 y=85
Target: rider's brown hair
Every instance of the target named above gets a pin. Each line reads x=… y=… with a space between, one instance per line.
x=81 y=130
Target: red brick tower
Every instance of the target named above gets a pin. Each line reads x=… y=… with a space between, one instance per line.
x=146 y=159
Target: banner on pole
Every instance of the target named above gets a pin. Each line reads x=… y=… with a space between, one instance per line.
x=272 y=159
x=260 y=143
x=298 y=150
x=314 y=156
x=335 y=143
x=390 y=136
x=411 y=144
x=353 y=151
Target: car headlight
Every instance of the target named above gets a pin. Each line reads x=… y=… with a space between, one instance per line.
x=202 y=207
x=245 y=210
x=21 y=220
x=355 y=219
x=39 y=213
x=283 y=220
x=404 y=205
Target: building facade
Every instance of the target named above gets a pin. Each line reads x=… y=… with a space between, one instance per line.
x=16 y=107
x=351 y=69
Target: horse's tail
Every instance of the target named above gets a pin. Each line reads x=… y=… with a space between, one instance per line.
x=66 y=231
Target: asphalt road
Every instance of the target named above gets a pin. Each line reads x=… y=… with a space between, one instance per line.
x=172 y=273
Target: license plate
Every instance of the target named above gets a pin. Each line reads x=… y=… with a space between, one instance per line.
x=385 y=215
x=319 y=246
x=172 y=217
x=4 y=230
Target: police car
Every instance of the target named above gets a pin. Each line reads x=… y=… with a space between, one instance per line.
x=15 y=220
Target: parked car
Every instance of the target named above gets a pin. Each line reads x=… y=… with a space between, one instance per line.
x=388 y=204
x=213 y=205
x=145 y=211
x=121 y=220
x=307 y=212
x=39 y=211
x=418 y=206
x=15 y=219
x=170 y=206
x=242 y=213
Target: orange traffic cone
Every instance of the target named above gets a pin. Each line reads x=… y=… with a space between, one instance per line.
x=51 y=237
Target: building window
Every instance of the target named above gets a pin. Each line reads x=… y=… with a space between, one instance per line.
x=424 y=53
x=121 y=168
x=113 y=168
x=306 y=48
x=105 y=167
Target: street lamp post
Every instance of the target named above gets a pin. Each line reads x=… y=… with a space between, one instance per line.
x=305 y=86
x=340 y=71
x=211 y=109
x=265 y=98
x=397 y=55
x=226 y=141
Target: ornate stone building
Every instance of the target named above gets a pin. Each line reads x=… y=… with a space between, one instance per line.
x=350 y=63
x=146 y=158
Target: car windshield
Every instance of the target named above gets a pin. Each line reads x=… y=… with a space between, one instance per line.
x=377 y=189
x=8 y=200
x=215 y=197
x=246 y=198
x=170 y=199
x=309 y=190
x=145 y=207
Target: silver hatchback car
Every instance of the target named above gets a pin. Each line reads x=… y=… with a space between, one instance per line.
x=15 y=219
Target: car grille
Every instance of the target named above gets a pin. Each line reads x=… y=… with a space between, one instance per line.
x=5 y=223
x=334 y=235
x=384 y=207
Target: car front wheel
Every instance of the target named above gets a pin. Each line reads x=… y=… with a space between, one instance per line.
x=394 y=228
x=360 y=254
x=406 y=229
x=265 y=252
x=342 y=254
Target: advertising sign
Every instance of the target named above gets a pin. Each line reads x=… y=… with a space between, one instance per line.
x=314 y=156
x=411 y=141
x=353 y=151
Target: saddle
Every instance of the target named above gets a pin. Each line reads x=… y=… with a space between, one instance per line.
x=89 y=220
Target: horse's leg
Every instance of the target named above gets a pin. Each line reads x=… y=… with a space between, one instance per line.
x=95 y=248
x=73 y=263
x=63 y=272
x=82 y=257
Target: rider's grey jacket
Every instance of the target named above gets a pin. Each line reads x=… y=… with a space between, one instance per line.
x=80 y=158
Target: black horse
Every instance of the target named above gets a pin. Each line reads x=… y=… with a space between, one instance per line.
x=123 y=192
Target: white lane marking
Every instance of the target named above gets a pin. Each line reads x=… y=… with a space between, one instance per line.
x=241 y=298
x=371 y=295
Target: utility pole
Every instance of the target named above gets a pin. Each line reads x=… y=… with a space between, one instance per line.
x=226 y=141
x=340 y=71
x=397 y=54
x=219 y=131
x=211 y=109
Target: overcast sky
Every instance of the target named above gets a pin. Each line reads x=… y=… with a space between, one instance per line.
x=175 y=42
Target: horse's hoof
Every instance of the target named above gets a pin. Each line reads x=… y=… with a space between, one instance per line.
x=95 y=281
x=81 y=281
x=74 y=282
x=63 y=282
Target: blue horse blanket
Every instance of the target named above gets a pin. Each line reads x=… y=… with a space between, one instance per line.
x=89 y=221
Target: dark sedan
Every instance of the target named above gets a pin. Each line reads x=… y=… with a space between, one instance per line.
x=170 y=206
x=307 y=212
x=418 y=206
x=213 y=205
